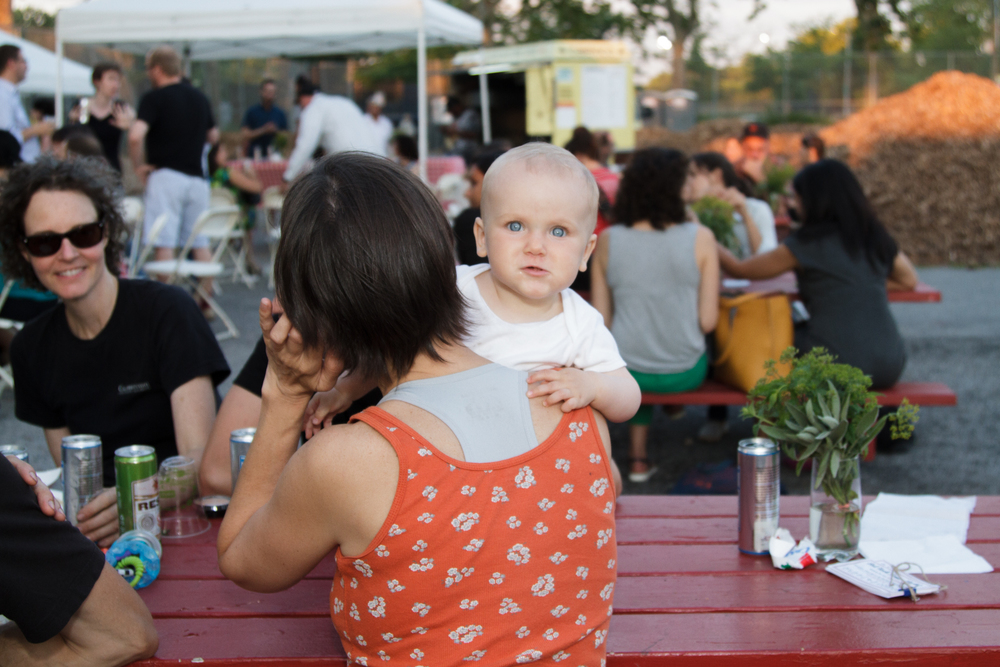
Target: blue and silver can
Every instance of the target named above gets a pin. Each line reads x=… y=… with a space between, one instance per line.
x=82 y=472
x=759 y=481
x=239 y=445
x=17 y=451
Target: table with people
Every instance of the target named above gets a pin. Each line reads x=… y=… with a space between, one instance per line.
x=457 y=484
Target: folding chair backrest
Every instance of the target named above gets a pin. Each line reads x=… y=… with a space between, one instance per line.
x=7 y=287
x=272 y=199
x=132 y=210
x=221 y=197
x=216 y=224
x=148 y=243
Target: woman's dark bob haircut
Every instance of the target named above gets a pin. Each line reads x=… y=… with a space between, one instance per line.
x=365 y=267
x=834 y=203
x=91 y=177
x=651 y=188
x=711 y=161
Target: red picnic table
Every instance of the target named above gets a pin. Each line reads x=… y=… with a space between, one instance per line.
x=787 y=283
x=685 y=596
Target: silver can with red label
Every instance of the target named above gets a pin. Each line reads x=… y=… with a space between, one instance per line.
x=759 y=480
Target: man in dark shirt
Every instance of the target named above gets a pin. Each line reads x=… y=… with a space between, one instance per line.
x=262 y=121
x=174 y=123
x=71 y=607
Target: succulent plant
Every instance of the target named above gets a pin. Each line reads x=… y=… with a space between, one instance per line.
x=823 y=411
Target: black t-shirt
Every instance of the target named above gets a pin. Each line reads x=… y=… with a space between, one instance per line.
x=465 y=238
x=109 y=136
x=179 y=118
x=47 y=567
x=251 y=378
x=118 y=385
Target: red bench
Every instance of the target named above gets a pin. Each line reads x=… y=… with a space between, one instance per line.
x=716 y=393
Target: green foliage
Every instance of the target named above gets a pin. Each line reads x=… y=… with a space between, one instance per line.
x=775 y=181
x=946 y=25
x=823 y=411
x=540 y=20
x=32 y=17
x=717 y=215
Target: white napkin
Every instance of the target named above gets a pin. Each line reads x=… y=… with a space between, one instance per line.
x=941 y=554
x=897 y=517
x=49 y=477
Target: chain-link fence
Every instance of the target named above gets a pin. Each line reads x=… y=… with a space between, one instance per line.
x=821 y=86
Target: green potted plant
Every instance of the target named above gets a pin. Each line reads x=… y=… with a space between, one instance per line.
x=719 y=217
x=823 y=412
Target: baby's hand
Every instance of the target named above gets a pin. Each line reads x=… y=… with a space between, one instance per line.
x=572 y=387
x=322 y=408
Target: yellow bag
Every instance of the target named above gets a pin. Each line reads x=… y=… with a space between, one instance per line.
x=752 y=328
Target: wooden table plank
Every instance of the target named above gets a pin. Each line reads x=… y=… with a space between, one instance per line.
x=694 y=506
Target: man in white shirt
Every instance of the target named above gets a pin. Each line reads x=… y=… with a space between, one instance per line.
x=331 y=121
x=13 y=69
x=381 y=126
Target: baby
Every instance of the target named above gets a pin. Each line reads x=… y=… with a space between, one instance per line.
x=539 y=209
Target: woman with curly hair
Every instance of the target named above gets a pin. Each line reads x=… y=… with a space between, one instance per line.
x=130 y=361
x=656 y=281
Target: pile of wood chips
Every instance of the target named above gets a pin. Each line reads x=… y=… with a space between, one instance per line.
x=928 y=159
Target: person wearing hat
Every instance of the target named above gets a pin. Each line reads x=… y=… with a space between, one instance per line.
x=381 y=126
x=262 y=121
x=755 y=143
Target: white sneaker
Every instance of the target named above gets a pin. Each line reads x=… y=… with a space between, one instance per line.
x=712 y=431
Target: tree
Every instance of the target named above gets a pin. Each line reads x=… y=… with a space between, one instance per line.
x=540 y=20
x=496 y=24
x=950 y=25
x=30 y=17
x=874 y=27
x=684 y=20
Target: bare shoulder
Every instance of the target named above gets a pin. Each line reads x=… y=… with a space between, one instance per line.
x=347 y=458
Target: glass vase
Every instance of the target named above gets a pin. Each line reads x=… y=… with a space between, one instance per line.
x=835 y=511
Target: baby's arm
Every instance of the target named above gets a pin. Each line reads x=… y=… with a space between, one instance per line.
x=325 y=405
x=614 y=394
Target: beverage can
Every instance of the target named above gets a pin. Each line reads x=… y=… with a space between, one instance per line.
x=17 y=451
x=759 y=482
x=138 y=489
x=239 y=445
x=82 y=472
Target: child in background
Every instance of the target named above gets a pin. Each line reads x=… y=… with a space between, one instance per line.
x=539 y=209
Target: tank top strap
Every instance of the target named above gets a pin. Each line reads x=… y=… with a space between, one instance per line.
x=407 y=443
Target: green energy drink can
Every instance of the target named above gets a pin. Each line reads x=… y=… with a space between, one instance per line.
x=82 y=472
x=138 y=490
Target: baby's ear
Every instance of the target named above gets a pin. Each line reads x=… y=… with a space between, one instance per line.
x=591 y=244
x=479 y=229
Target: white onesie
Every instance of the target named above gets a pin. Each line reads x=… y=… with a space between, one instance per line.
x=576 y=337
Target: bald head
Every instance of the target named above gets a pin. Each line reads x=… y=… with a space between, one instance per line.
x=540 y=159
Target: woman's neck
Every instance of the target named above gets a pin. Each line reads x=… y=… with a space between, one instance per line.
x=88 y=315
x=100 y=103
x=454 y=359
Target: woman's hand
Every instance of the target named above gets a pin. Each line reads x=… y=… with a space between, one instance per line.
x=46 y=501
x=294 y=372
x=99 y=518
x=734 y=198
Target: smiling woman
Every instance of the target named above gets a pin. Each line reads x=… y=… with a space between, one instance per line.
x=130 y=361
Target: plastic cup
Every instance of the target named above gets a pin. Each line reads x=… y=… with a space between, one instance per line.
x=179 y=515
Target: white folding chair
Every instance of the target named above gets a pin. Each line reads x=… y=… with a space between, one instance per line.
x=224 y=197
x=148 y=242
x=215 y=224
x=132 y=213
x=272 y=200
x=6 y=376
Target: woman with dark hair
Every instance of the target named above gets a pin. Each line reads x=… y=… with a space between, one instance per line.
x=845 y=260
x=656 y=281
x=444 y=489
x=584 y=147
x=407 y=154
x=129 y=361
x=712 y=175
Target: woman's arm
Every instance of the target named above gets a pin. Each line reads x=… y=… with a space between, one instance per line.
x=192 y=406
x=240 y=409
x=600 y=294
x=759 y=267
x=739 y=203
x=53 y=438
x=708 y=290
x=245 y=181
x=902 y=276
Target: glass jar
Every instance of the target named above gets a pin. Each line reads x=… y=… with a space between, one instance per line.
x=835 y=511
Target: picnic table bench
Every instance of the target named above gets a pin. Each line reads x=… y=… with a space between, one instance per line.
x=685 y=596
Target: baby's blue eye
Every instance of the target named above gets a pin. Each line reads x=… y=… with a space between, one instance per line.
x=515 y=226
x=559 y=231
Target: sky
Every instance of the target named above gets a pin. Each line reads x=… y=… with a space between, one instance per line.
x=729 y=30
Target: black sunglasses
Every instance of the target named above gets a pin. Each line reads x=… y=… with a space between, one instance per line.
x=48 y=244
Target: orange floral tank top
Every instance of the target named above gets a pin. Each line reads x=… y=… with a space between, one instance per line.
x=500 y=563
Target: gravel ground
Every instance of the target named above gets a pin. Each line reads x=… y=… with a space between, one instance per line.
x=955 y=451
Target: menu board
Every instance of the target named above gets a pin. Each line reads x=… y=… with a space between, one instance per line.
x=604 y=96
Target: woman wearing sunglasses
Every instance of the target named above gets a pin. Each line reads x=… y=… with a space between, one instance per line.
x=133 y=362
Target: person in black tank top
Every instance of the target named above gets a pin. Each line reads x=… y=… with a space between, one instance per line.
x=106 y=115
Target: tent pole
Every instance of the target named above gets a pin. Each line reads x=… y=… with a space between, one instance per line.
x=422 y=93
x=59 y=77
x=484 y=102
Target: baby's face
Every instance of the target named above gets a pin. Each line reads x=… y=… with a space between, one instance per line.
x=538 y=230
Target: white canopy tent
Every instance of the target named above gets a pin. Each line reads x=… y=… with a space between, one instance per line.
x=41 y=79
x=231 y=29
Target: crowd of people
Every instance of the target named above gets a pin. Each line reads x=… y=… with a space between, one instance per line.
x=421 y=360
